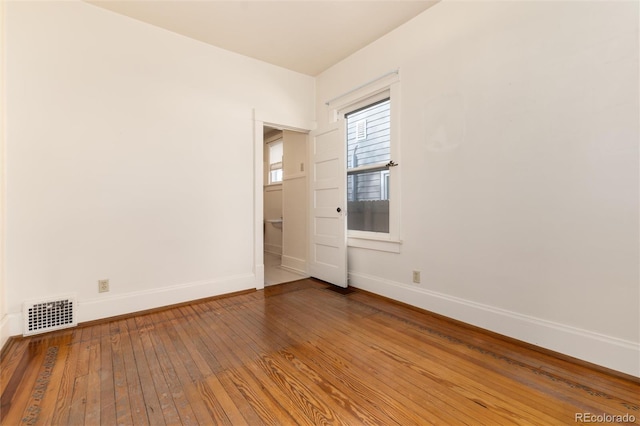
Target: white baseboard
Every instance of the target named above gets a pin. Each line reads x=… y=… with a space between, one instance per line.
x=14 y=323
x=127 y=303
x=273 y=249
x=294 y=264
x=610 y=352
x=5 y=330
x=98 y=308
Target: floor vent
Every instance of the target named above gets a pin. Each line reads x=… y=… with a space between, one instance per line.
x=341 y=290
x=48 y=315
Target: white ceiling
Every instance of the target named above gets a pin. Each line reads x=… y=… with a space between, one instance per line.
x=307 y=36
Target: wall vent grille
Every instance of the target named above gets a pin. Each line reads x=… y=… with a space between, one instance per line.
x=48 y=315
x=361 y=130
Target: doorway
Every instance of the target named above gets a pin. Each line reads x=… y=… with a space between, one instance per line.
x=285 y=200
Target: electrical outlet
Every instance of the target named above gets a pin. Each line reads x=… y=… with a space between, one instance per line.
x=416 y=277
x=103 y=286
x=302 y=167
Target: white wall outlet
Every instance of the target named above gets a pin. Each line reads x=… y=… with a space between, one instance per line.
x=302 y=167
x=416 y=277
x=103 y=286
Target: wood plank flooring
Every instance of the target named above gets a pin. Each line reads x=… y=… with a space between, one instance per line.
x=297 y=354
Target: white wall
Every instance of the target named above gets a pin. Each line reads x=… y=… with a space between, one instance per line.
x=128 y=158
x=519 y=170
x=294 y=202
x=4 y=318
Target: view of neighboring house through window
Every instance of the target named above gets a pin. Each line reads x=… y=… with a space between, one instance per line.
x=275 y=161
x=368 y=153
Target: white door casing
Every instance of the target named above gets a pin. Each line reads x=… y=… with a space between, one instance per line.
x=328 y=227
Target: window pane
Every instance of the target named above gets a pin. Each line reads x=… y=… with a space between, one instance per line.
x=275 y=161
x=368 y=135
x=275 y=176
x=371 y=216
x=368 y=186
x=368 y=201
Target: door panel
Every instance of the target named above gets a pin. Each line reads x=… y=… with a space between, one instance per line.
x=328 y=239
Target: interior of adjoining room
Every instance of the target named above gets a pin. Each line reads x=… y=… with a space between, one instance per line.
x=285 y=205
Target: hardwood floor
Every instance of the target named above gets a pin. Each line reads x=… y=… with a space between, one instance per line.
x=298 y=353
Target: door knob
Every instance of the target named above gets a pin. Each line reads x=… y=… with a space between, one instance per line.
x=338 y=209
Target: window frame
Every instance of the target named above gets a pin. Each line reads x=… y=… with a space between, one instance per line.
x=388 y=242
x=384 y=184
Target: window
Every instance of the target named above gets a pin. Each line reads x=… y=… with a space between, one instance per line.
x=368 y=156
x=370 y=113
x=275 y=161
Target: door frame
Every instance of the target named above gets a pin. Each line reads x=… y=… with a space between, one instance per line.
x=261 y=119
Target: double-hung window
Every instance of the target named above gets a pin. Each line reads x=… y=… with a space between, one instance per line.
x=372 y=180
x=368 y=157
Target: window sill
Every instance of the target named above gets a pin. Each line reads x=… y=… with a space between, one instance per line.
x=382 y=243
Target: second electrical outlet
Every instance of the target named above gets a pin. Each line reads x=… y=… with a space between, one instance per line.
x=416 y=277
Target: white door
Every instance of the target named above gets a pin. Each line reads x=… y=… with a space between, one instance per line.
x=328 y=236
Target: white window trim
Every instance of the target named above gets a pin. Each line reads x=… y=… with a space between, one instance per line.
x=366 y=91
x=372 y=243
x=387 y=242
x=384 y=189
x=367 y=168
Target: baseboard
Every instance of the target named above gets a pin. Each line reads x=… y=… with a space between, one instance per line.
x=122 y=304
x=5 y=330
x=294 y=264
x=610 y=352
x=273 y=249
